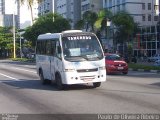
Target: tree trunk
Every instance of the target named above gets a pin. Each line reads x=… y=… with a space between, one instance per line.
x=31 y=13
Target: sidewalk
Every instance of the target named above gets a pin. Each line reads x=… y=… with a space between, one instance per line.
x=143 y=70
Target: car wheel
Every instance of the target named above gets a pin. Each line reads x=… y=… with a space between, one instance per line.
x=125 y=73
x=43 y=81
x=59 y=84
x=96 y=84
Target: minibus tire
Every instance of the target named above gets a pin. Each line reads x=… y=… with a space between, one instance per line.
x=43 y=81
x=59 y=84
x=96 y=84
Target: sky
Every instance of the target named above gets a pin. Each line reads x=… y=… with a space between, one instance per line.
x=24 y=11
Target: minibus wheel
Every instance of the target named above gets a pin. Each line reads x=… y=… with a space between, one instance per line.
x=43 y=81
x=96 y=84
x=59 y=84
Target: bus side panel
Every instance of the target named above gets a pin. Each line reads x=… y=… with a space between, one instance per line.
x=43 y=63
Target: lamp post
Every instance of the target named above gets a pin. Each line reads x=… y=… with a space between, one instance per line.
x=14 y=37
x=20 y=40
x=14 y=32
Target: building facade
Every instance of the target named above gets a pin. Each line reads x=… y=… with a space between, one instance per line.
x=6 y=20
x=2 y=11
x=46 y=6
x=70 y=9
x=146 y=14
x=91 y=5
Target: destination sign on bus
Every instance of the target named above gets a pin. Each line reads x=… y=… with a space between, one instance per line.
x=79 y=38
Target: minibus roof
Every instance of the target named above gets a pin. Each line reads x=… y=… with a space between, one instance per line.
x=49 y=36
x=64 y=33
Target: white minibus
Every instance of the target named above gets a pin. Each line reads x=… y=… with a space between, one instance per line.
x=70 y=57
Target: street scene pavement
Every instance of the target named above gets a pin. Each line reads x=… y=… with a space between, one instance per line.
x=22 y=93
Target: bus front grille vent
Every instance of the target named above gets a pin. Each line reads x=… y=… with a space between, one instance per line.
x=88 y=70
x=87 y=78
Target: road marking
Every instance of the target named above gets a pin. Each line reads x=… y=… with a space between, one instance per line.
x=22 y=69
x=9 y=77
x=25 y=70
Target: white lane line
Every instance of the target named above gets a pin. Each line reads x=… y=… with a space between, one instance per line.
x=22 y=69
x=9 y=77
x=25 y=70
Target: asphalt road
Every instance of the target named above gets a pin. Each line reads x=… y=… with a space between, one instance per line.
x=22 y=93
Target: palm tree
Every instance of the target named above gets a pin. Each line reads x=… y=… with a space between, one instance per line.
x=30 y=4
x=90 y=18
x=125 y=27
x=103 y=16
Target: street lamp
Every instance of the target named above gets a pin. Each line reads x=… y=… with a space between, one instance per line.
x=14 y=32
x=14 y=37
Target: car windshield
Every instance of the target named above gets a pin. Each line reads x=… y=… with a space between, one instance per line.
x=113 y=57
x=81 y=48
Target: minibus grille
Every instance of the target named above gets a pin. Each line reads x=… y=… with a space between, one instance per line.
x=88 y=70
x=87 y=78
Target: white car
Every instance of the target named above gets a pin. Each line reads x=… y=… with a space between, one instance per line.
x=157 y=63
x=154 y=58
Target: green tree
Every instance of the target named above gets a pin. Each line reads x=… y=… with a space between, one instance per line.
x=30 y=4
x=125 y=27
x=46 y=24
x=80 y=24
x=90 y=18
x=6 y=41
x=104 y=15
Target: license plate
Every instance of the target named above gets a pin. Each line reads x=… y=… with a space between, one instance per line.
x=87 y=80
x=120 y=68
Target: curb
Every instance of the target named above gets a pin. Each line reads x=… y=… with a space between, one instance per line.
x=142 y=70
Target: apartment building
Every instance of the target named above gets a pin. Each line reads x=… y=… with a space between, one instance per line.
x=2 y=9
x=91 y=5
x=146 y=14
x=6 y=19
x=70 y=9
x=46 y=6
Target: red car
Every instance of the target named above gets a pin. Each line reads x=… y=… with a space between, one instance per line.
x=115 y=64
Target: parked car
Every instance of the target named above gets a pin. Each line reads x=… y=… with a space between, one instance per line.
x=115 y=64
x=157 y=62
x=154 y=58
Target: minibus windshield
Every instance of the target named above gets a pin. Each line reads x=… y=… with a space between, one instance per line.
x=81 y=48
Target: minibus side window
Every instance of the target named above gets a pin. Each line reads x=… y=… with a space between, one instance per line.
x=53 y=47
x=58 y=51
x=48 y=47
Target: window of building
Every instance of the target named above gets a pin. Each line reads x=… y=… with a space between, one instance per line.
x=123 y=7
x=118 y=8
x=149 y=6
x=143 y=18
x=123 y=1
x=156 y=7
x=149 y=17
x=155 y=18
x=143 y=6
x=118 y=2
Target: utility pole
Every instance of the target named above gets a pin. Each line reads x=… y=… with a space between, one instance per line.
x=14 y=32
x=14 y=37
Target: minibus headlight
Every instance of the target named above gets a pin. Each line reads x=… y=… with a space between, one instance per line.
x=69 y=70
x=102 y=68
